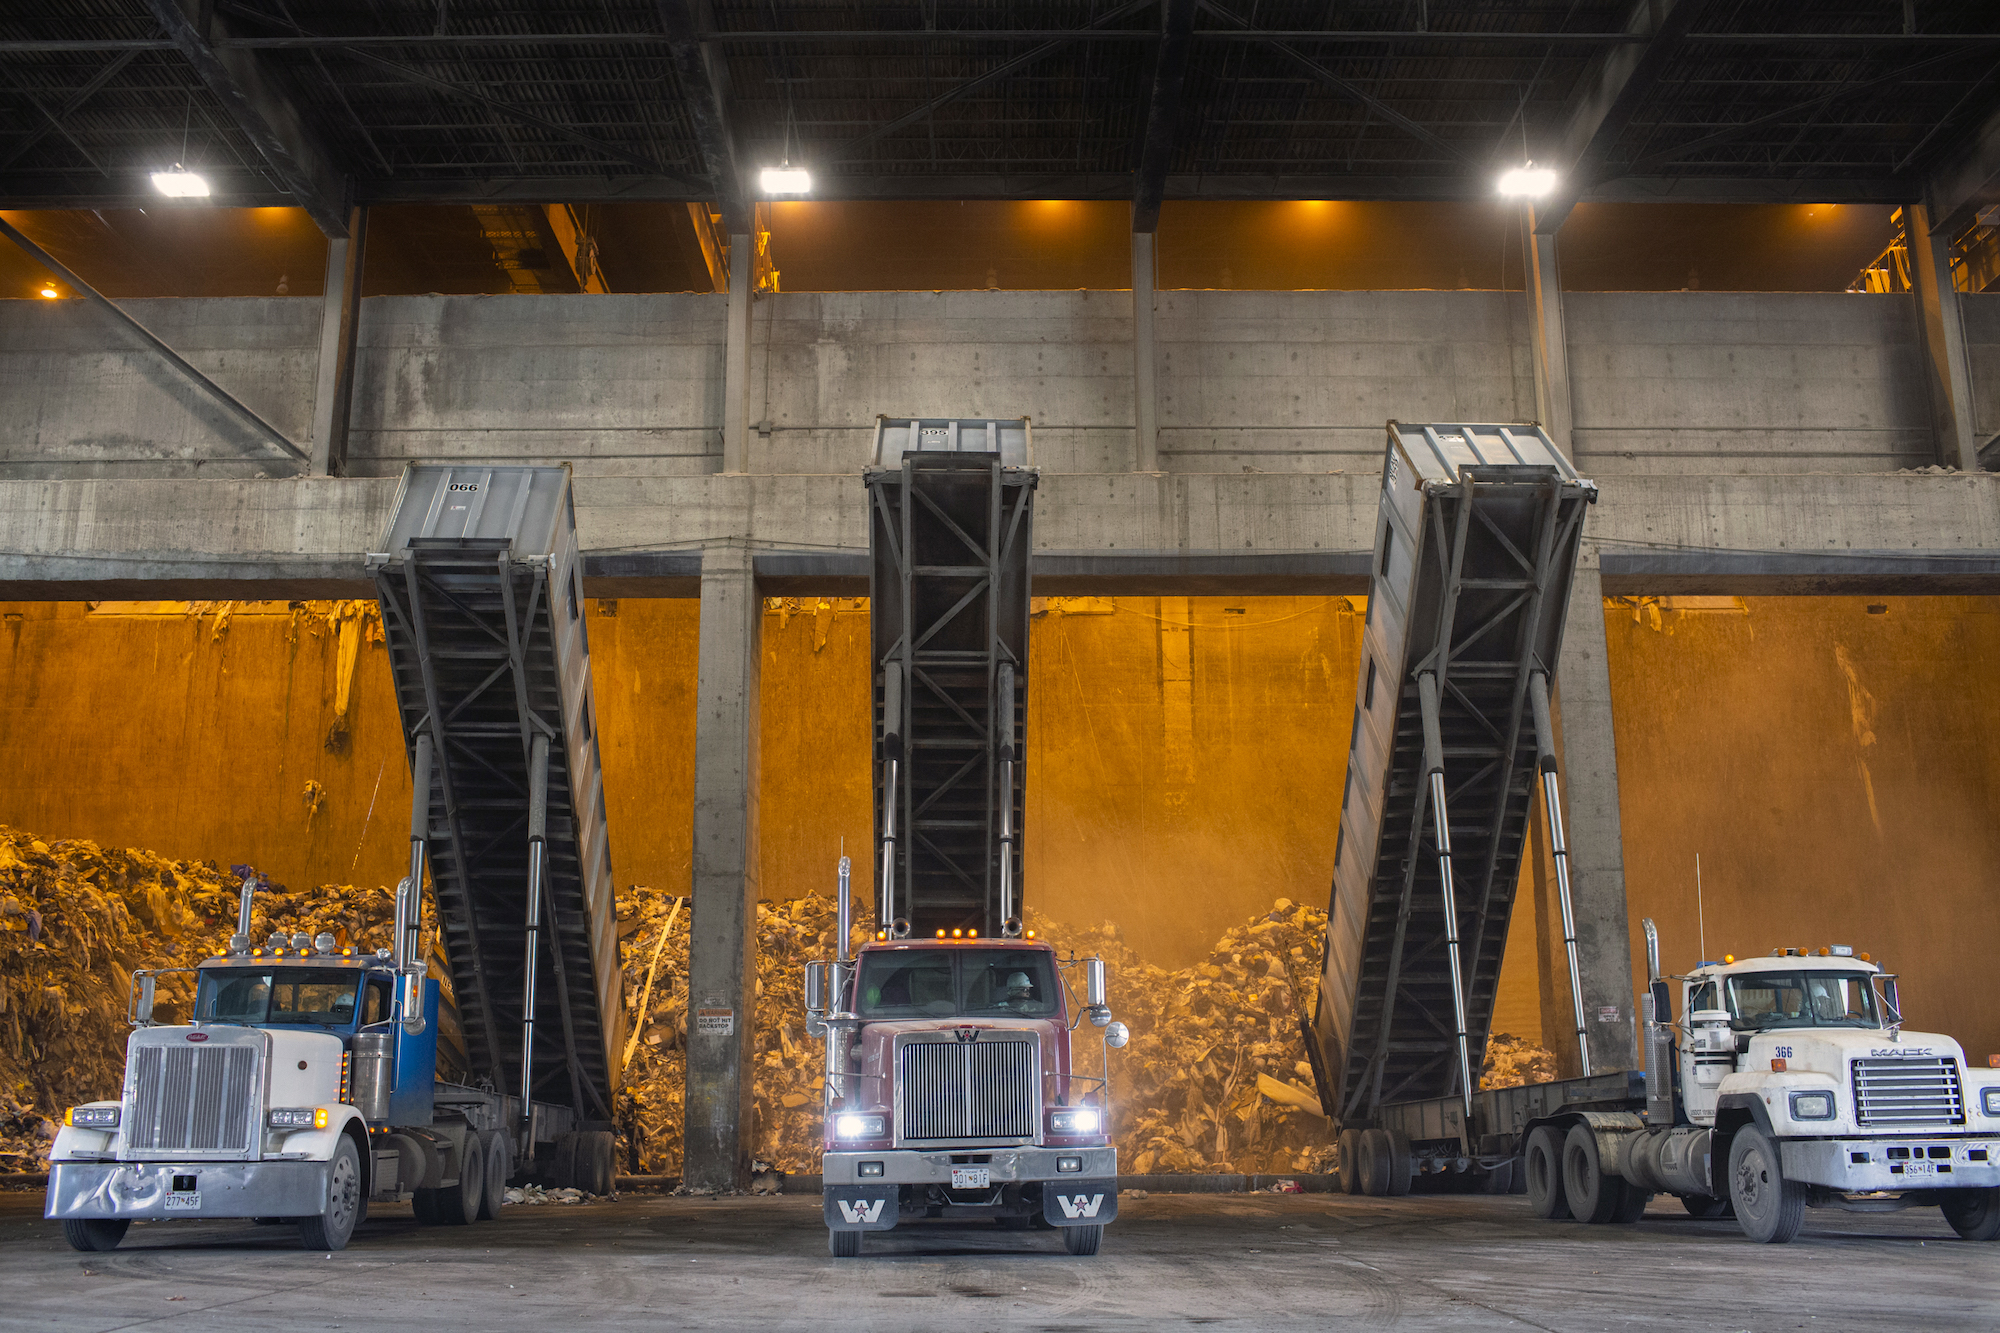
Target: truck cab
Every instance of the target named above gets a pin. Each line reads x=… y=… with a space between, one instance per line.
x=952 y=1089
x=1790 y=1082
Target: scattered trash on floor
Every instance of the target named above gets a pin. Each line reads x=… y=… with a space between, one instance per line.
x=534 y=1194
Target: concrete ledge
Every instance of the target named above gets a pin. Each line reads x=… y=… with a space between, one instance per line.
x=1797 y=573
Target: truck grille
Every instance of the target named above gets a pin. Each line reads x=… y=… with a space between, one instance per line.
x=973 y=1090
x=193 y=1099
x=1908 y=1092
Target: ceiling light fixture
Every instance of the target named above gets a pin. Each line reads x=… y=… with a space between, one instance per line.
x=787 y=179
x=51 y=293
x=1527 y=181
x=180 y=183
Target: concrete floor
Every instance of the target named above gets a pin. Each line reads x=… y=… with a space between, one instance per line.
x=1228 y=1261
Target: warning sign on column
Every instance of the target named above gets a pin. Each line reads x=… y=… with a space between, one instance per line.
x=714 y=1022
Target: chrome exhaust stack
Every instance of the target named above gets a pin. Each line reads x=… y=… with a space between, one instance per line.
x=408 y=951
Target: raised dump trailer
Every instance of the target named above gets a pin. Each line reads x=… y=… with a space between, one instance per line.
x=314 y=1078
x=481 y=587
x=1475 y=543
x=952 y=1084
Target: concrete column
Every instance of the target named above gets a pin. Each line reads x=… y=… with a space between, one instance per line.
x=722 y=962
x=1591 y=823
x=736 y=359
x=339 y=327
x=1545 y=327
x=1941 y=316
x=1145 y=366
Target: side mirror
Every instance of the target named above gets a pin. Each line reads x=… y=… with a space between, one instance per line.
x=145 y=990
x=1116 y=1035
x=816 y=988
x=413 y=999
x=1093 y=983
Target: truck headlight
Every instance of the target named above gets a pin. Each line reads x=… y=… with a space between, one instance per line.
x=307 y=1117
x=1075 y=1120
x=106 y=1117
x=1812 y=1106
x=861 y=1127
x=1989 y=1101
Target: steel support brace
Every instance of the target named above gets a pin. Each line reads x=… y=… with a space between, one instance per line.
x=1538 y=692
x=1427 y=698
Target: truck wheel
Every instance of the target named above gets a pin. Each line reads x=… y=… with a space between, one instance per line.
x=1593 y=1195
x=1543 y=1161
x=1705 y=1206
x=1080 y=1240
x=330 y=1229
x=1633 y=1206
x=95 y=1233
x=499 y=1165
x=1375 y=1154
x=1348 y=1163
x=563 y=1170
x=1769 y=1208
x=458 y=1205
x=1399 y=1163
x=844 y=1244
x=1973 y=1214
x=597 y=1162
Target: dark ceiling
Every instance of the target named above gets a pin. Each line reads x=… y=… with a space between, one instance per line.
x=328 y=103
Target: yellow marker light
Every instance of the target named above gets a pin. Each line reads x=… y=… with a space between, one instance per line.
x=972 y=934
x=957 y=934
x=1729 y=958
x=1864 y=958
x=256 y=953
x=319 y=1117
x=1031 y=934
x=940 y=932
x=881 y=934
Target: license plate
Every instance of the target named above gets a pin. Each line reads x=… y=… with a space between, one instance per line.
x=184 y=1201
x=971 y=1177
x=1919 y=1169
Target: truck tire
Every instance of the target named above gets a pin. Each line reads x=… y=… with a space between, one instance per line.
x=1375 y=1154
x=1633 y=1206
x=843 y=1244
x=1078 y=1240
x=1973 y=1214
x=91 y=1234
x=1543 y=1163
x=597 y=1162
x=1500 y=1179
x=499 y=1165
x=1705 y=1206
x=1349 y=1161
x=1399 y=1163
x=1593 y=1194
x=1769 y=1208
x=345 y=1200
x=563 y=1169
x=458 y=1205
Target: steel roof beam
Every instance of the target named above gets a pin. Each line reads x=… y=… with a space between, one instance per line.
x=263 y=114
x=1966 y=182
x=1163 y=110
x=1615 y=87
x=704 y=79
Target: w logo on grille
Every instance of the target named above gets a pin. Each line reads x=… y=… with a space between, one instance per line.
x=869 y=1210
x=966 y=1036
x=1076 y=1205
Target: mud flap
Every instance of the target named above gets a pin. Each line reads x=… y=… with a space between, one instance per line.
x=862 y=1207
x=1079 y=1203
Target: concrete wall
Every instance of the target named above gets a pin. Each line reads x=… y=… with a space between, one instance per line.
x=1982 y=337
x=630 y=386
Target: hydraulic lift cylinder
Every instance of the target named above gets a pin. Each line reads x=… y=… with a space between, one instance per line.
x=892 y=754
x=1545 y=760
x=1009 y=926
x=1427 y=699
x=538 y=833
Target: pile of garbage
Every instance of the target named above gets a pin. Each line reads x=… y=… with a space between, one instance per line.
x=1513 y=1062
x=536 y=1194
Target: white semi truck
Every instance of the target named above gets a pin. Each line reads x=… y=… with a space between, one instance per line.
x=1788 y=1082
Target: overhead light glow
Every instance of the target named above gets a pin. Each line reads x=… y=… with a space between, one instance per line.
x=180 y=184
x=785 y=180
x=1528 y=182
x=51 y=293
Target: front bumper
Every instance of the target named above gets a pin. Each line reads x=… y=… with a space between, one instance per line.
x=909 y=1166
x=1858 y=1166
x=221 y=1189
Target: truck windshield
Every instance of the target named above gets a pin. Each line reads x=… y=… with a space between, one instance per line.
x=324 y=996
x=1763 y=1000
x=958 y=982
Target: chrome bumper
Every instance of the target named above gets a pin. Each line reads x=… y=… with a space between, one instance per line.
x=908 y=1166
x=1832 y=1163
x=222 y=1189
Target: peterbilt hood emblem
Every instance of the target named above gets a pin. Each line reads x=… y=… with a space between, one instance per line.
x=197 y=1036
x=966 y=1036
